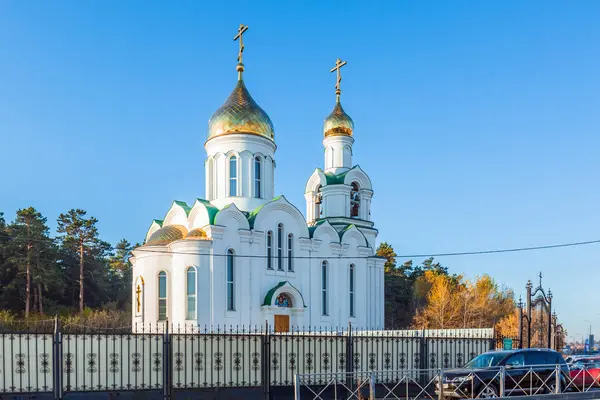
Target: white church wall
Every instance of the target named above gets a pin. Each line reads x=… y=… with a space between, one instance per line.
x=245 y=147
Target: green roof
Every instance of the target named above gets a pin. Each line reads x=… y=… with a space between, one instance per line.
x=212 y=210
x=159 y=222
x=183 y=205
x=333 y=179
x=312 y=229
x=254 y=213
x=269 y=297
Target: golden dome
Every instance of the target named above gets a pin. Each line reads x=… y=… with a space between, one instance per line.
x=197 y=234
x=166 y=235
x=338 y=123
x=240 y=114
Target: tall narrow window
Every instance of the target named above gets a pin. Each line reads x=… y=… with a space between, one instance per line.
x=191 y=293
x=352 y=290
x=270 y=250
x=324 y=300
x=257 y=177
x=162 y=296
x=230 y=281
x=289 y=253
x=354 y=200
x=233 y=176
x=280 y=247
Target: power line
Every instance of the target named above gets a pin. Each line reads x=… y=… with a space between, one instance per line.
x=449 y=254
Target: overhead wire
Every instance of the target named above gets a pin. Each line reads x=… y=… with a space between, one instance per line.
x=417 y=255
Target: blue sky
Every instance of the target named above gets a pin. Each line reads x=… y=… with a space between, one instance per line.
x=477 y=121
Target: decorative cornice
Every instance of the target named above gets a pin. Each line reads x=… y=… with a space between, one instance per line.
x=215 y=232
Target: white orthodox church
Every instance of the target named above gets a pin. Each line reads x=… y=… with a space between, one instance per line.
x=243 y=257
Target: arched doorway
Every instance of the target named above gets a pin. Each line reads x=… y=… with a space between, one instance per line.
x=283 y=307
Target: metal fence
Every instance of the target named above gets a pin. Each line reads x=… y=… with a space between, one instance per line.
x=79 y=360
x=439 y=384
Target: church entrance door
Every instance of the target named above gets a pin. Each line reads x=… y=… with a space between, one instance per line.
x=282 y=323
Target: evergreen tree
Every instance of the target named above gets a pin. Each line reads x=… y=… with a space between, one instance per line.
x=79 y=234
x=28 y=239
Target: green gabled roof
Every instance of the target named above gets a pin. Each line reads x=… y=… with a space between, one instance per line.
x=312 y=229
x=346 y=229
x=252 y=215
x=159 y=222
x=333 y=179
x=183 y=205
x=269 y=297
x=212 y=210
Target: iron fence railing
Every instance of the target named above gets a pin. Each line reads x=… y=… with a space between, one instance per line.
x=165 y=358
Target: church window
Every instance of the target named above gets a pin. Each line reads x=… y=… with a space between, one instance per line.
x=290 y=260
x=162 y=296
x=352 y=290
x=280 y=247
x=354 y=200
x=191 y=293
x=230 y=281
x=257 y=165
x=270 y=250
x=283 y=300
x=324 y=299
x=330 y=153
x=233 y=176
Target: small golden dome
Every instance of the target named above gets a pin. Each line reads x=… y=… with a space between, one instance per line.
x=240 y=114
x=166 y=235
x=197 y=234
x=338 y=123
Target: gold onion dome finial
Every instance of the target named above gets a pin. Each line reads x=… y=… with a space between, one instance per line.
x=338 y=123
x=240 y=113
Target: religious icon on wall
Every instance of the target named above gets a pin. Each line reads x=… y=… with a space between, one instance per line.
x=283 y=301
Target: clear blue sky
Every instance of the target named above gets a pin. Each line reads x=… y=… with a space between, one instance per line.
x=477 y=121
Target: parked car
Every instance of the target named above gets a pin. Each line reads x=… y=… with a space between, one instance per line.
x=526 y=371
x=585 y=372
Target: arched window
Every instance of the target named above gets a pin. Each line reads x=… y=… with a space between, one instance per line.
x=233 y=176
x=191 y=293
x=230 y=281
x=318 y=202
x=290 y=260
x=330 y=153
x=324 y=299
x=162 y=296
x=257 y=176
x=352 y=290
x=354 y=200
x=270 y=250
x=280 y=247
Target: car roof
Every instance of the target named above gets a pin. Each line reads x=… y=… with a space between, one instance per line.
x=516 y=351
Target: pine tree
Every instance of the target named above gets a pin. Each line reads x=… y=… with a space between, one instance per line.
x=80 y=233
x=29 y=237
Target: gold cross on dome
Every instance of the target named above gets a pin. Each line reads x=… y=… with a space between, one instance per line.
x=243 y=28
x=338 y=64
